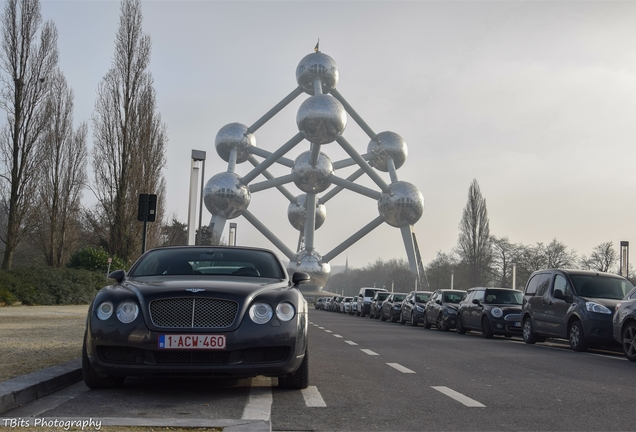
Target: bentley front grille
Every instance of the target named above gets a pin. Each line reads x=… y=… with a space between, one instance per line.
x=193 y=313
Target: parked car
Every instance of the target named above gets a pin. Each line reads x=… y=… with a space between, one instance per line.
x=493 y=311
x=199 y=310
x=576 y=305
x=364 y=299
x=320 y=303
x=346 y=305
x=413 y=307
x=624 y=323
x=392 y=306
x=327 y=303
x=376 y=304
x=354 y=306
x=337 y=305
x=441 y=309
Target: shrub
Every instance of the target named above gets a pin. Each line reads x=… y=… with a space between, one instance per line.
x=94 y=259
x=51 y=286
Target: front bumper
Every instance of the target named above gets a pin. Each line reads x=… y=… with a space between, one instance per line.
x=273 y=349
x=600 y=330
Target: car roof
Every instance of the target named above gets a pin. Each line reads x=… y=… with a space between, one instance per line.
x=580 y=272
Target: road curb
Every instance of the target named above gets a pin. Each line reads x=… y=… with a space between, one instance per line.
x=27 y=388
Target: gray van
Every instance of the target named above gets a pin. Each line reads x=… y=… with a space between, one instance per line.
x=576 y=305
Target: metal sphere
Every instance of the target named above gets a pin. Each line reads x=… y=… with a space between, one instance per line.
x=225 y=195
x=317 y=65
x=322 y=119
x=309 y=262
x=402 y=205
x=387 y=145
x=312 y=179
x=234 y=136
x=297 y=213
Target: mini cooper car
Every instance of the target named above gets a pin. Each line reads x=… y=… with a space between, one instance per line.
x=493 y=311
x=217 y=312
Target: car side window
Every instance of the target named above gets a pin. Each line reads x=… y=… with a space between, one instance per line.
x=470 y=296
x=479 y=295
x=561 y=284
x=531 y=288
x=543 y=284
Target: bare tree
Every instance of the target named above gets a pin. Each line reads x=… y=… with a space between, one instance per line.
x=63 y=176
x=558 y=256
x=474 y=245
x=603 y=258
x=504 y=253
x=27 y=65
x=129 y=139
x=440 y=269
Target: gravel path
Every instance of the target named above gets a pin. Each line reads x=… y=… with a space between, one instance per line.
x=36 y=337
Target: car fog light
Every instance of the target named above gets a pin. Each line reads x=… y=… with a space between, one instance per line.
x=104 y=310
x=261 y=313
x=127 y=311
x=499 y=325
x=285 y=311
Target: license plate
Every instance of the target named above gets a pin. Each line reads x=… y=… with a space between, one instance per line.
x=517 y=324
x=204 y=342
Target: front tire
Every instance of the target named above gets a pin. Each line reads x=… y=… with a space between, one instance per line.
x=577 y=337
x=486 y=330
x=401 y=320
x=629 y=341
x=460 y=325
x=413 y=322
x=94 y=381
x=298 y=379
x=529 y=336
x=440 y=324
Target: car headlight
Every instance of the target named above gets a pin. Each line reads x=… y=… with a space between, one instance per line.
x=397 y=306
x=419 y=308
x=127 y=311
x=261 y=313
x=285 y=311
x=496 y=312
x=104 y=310
x=451 y=311
x=598 y=308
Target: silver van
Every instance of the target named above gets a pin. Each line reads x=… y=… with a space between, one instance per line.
x=364 y=300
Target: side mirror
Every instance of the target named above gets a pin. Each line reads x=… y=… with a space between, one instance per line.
x=118 y=275
x=439 y=302
x=476 y=301
x=300 y=278
x=559 y=295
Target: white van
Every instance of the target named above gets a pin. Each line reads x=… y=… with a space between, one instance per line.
x=364 y=299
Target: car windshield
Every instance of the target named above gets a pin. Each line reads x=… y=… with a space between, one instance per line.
x=382 y=296
x=399 y=297
x=453 y=297
x=604 y=287
x=503 y=297
x=190 y=261
x=422 y=298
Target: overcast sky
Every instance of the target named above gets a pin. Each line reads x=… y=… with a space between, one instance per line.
x=535 y=100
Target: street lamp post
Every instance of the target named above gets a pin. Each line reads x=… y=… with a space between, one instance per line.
x=452 y=278
x=514 y=273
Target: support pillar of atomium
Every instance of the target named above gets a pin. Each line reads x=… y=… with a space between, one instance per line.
x=321 y=121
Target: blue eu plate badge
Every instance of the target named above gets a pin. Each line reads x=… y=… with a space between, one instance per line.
x=162 y=341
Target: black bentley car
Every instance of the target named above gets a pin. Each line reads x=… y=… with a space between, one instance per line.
x=218 y=312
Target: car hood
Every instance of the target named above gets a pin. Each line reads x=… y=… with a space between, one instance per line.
x=231 y=285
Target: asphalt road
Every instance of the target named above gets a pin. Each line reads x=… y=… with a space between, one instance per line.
x=377 y=376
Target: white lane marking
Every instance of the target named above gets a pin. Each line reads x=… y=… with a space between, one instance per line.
x=312 y=397
x=328 y=331
x=400 y=368
x=338 y=336
x=321 y=328
x=368 y=351
x=607 y=356
x=259 y=405
x=458 y=397
x=351 y=342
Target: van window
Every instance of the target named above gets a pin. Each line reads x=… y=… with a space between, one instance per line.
x=531 y=288
x=543 y=284
x=601 y=286
x=369 y=292
x=561 y=284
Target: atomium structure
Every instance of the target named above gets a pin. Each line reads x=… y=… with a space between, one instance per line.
x=321 y=120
